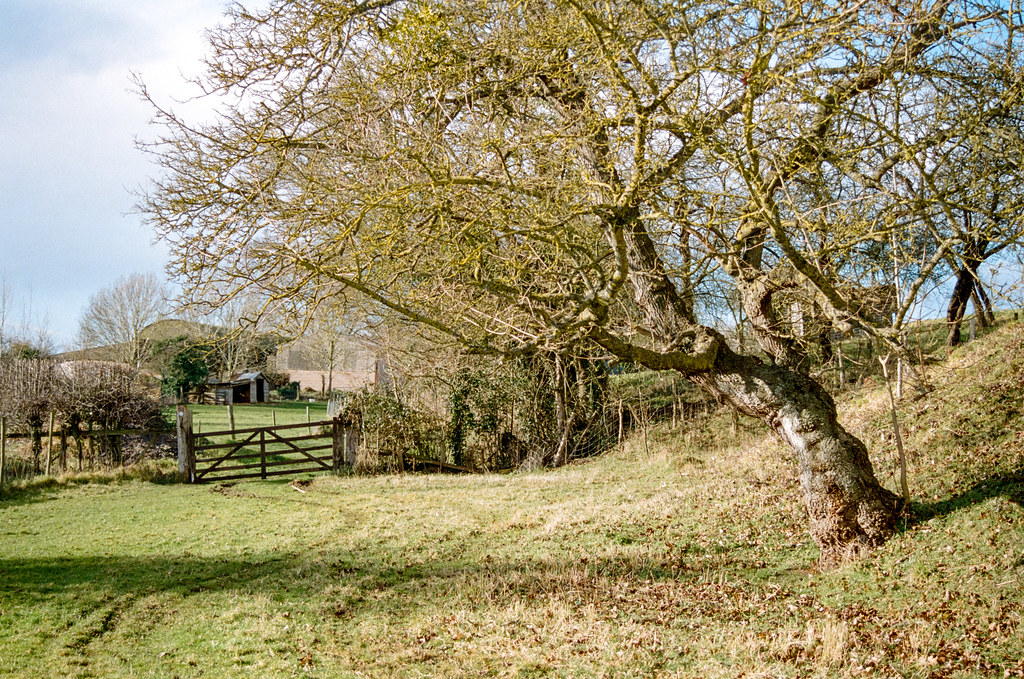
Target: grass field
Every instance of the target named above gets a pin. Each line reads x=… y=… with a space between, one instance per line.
x=211 y=418
x=246 y=459
x=681 y=554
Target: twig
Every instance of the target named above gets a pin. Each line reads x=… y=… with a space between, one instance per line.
x=896 y=430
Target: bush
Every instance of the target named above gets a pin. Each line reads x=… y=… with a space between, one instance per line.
x=391 y=430
x=289 y=391
x=82 y=393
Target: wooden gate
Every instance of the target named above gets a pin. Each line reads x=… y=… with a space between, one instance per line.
x=262 y=452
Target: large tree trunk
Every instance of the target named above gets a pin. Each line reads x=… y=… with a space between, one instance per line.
x=983 y=305
x=847 y=507
x=966 y=289
x=958 y=305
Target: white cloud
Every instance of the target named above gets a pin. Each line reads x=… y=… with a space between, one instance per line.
x=67 y=124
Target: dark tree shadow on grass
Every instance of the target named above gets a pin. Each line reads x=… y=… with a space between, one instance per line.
x=44 y=489
x=1009 y=485
x=30 y=579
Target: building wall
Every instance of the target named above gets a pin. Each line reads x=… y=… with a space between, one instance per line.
x=343 y=380
x=355 y=365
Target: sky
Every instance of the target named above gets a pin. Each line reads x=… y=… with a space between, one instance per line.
x=68 y=161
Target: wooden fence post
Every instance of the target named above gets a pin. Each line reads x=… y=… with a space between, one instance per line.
x=620 y=422
x=190 y=448
x=337 y=445
x=186 y=444
x=179 y=426
x=231 y=416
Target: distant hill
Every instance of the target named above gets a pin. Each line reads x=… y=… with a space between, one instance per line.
x=155 y=332
x=175 y=327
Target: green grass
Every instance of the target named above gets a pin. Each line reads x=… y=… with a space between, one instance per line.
x=211 y=418
x=682 y=554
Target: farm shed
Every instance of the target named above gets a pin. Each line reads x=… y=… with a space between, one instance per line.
x=250 y=387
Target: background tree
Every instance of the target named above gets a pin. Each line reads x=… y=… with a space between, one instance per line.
x=543 y=175
x=117 y=315
x=340 y=328
x=5 y=310
x=984 y=219
x=235 y=333
x=184 y=366
x=31 y=336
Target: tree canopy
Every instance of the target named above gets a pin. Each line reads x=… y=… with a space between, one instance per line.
x=117 y=315
x=541 y=174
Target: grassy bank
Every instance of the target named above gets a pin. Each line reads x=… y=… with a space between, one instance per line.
x=682 y=554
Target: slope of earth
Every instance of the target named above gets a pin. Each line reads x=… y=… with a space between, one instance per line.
x=682 y=554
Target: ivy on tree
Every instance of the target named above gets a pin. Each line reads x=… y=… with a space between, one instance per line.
x=184 y=366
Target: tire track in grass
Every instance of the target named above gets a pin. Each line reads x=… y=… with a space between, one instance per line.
x=101 y=622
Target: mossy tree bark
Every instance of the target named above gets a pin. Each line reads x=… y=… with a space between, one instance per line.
x=847 y=507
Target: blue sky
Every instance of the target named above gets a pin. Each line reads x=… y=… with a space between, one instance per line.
x=68 y=121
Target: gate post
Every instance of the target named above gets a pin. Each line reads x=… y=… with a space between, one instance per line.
x=345 y=439
x=351 y=443
x=337 y=445
x=186 y=444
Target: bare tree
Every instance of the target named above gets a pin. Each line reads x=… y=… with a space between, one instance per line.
x=28 y=389
x=5 y=309
x=229 y=331
x=30 y=336
x=985 y=220
x=117 y=315
x=333 y=332
x=518 y=176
